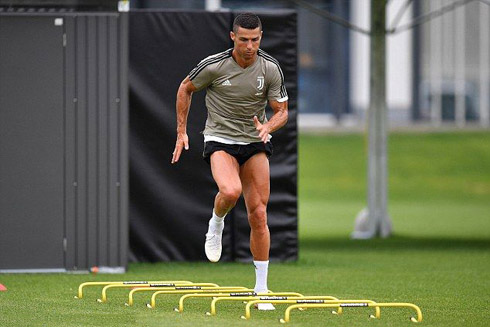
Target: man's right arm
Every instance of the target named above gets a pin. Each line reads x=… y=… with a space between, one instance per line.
x=184 y=96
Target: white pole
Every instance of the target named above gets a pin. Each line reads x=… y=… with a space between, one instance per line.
x=213 y=5
x=376 y=222
x=484 y=65
x=435 y=67
x=460 y=61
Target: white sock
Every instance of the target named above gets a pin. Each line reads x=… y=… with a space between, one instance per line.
x=216 y=224
x=261 y=270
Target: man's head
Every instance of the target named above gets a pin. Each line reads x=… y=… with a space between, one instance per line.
x=246 y=35
x=247 y=20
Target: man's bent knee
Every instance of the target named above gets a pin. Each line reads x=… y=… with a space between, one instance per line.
x=230 y=194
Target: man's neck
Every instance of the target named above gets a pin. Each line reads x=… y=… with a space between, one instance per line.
x=242 y=62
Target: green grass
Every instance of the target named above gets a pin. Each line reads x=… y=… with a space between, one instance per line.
x=438 y=258
x=422 y=167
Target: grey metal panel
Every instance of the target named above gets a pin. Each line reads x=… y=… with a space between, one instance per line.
x=102 y=174
x=113 y=238
x=124 y=138
x=100 y=220
x=81 y=141
x=93 y=134
x=31 y=143
x=70 y=145
x=92 y=141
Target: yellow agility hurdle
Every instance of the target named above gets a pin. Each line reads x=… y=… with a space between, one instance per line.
x=311 y=300
x=190 y=289
x=270 y=296
x=86 y=284
x=366 y=304
x=148 y=289
x=154 y=286
x=247 y=292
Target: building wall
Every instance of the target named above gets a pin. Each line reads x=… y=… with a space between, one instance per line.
x=399 y=62
x=454 y=69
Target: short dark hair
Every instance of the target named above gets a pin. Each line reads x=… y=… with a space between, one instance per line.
x=246 y=20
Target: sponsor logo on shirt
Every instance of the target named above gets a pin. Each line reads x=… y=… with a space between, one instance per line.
x=227 y=82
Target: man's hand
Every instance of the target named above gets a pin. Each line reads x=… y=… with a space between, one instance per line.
x=263 y=129
x=182 y=142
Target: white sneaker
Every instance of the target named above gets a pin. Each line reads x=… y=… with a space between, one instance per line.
x=212 y=247
x=265 y=306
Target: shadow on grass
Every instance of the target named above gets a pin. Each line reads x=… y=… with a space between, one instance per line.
x=396 y=242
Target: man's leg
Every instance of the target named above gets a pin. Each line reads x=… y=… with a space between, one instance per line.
x=255 y=178
x=225 y=170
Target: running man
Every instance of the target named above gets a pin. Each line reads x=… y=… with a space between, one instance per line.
x=238 y=82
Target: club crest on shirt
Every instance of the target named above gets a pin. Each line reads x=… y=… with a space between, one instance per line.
x=260 y=83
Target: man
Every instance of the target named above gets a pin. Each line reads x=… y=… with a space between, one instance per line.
x=238 y=83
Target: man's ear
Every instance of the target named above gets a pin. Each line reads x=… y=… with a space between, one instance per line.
x=232 y=36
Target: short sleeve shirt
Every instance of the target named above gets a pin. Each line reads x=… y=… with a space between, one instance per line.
x=234 y=95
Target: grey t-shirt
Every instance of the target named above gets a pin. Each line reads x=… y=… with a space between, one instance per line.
x=234 y=95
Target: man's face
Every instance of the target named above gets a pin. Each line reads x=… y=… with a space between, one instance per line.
x=246 y=41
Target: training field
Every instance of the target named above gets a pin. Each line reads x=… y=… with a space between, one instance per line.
x=439 y=257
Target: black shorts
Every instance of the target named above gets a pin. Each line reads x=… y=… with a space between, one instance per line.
x=241 y=152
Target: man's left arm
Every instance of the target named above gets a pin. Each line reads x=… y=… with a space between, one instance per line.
x=278 y=119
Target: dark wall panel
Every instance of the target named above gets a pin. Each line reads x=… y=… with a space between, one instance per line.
x=70 y=145
x=81 y=111
x=96 y=127
x=31 y=143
